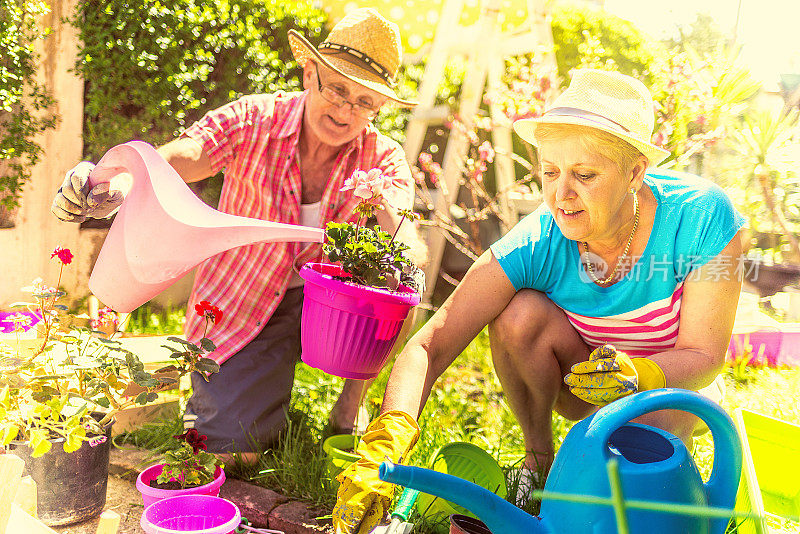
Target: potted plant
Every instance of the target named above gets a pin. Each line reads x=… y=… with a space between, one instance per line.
x=59 y=393
x=187 y=469
x=354 y=308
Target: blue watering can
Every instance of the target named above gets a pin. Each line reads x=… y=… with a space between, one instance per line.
x=653 y=465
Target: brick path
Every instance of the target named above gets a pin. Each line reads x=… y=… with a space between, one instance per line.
x=262 y=507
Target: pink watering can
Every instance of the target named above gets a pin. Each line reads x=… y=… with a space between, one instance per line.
x=162 y=230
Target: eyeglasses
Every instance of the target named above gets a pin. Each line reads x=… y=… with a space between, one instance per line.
x=334 y=97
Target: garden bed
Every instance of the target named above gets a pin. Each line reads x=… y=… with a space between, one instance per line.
x=466 y=404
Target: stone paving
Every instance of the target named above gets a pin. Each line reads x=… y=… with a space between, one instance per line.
x=262 y=507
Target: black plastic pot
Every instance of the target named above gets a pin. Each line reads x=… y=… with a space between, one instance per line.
x=462 y=524
x=70 y=487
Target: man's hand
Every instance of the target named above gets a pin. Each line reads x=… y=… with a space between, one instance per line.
x=75 y=201
x=363 y=499
x=610 y=374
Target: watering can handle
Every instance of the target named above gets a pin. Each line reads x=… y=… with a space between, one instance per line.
x=721 y=486
x=107 y=168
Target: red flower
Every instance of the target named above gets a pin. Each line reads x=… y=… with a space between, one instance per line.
x=205 y=309
x=195 y=439
x=64 y=255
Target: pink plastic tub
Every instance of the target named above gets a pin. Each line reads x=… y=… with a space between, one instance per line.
x=348 y=329
x=771 y=347
x=8 y=326
x=151 y=495
x=191 y=514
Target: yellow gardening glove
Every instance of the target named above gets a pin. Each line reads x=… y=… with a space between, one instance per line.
x=610 y=374
x=363 y=499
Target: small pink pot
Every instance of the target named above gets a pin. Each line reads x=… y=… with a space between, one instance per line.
x=347 y=329
x=151 y=495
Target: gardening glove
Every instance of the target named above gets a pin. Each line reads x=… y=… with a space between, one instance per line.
x=610 y=374
x=363 y=499
x=75 y=200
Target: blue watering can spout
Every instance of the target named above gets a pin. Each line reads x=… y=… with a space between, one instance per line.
x=499 y=515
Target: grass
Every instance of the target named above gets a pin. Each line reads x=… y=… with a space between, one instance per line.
x=148 y=320
x=466 y=404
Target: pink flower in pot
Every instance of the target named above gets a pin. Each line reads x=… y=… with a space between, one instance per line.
x=354 y=308
x=187 y=470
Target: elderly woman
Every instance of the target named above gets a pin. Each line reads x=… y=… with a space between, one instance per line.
x=624 y=280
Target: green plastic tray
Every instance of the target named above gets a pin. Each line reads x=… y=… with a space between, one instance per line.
x=770 y=483
x=467 y=461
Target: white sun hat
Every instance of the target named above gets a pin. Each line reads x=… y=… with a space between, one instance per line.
x=609 y=101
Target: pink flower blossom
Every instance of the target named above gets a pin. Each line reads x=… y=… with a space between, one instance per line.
x=366 y=185
x=372 y=186
x=94 y=442
x=486 y=152
x=64 y=255
x=106 y=318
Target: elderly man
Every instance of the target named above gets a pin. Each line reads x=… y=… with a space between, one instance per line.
x=286 y=157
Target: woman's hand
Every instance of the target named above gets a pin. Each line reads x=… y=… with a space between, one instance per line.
x=363 y=499
x=610 y=374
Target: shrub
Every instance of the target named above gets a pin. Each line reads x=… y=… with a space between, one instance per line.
x=21 y=97
x=577 y=29
x=153 y=67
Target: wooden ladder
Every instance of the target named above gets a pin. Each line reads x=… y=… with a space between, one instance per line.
x=485 y=47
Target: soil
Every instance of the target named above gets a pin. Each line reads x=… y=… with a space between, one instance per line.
x=171 y=485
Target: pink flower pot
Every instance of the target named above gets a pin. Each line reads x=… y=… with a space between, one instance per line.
x=348 y=329
x=151 y=495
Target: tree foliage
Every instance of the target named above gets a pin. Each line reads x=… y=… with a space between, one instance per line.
x=23 y=101
x=152 y=67
x=580 y=32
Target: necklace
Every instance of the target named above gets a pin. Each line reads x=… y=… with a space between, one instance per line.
x=624 y=253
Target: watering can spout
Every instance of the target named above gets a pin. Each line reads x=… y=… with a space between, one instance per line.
x=499 y=515
x=163 y=230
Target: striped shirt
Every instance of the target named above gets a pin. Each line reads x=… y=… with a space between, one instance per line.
x=640 y=314
x=649 y=330
x=255 y=140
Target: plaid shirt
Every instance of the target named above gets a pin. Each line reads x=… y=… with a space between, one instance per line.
x=255 y=139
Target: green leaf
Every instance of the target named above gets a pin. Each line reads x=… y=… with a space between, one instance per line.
x=178 y=340
x=102 y=401
x=141 y=398
x=8 y=432
x=208 y=365
x=72 y=442
x=39 y=442
x=208 y=345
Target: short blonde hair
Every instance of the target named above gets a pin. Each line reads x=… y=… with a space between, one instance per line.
x=611 y=147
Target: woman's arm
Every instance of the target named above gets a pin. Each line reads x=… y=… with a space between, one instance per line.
x=478 y=299
x=708 y=308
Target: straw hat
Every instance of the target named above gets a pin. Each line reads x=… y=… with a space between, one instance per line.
x=608 y=101
x=363 y=46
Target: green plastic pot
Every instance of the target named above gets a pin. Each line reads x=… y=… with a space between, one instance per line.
x=467 y=461
x=335 y=451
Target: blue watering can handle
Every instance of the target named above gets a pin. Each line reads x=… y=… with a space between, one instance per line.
x=721 y=486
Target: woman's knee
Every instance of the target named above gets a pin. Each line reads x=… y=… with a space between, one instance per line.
x=523 y=320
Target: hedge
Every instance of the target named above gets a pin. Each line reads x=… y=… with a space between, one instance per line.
x=153 y=67
x=23 y=102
